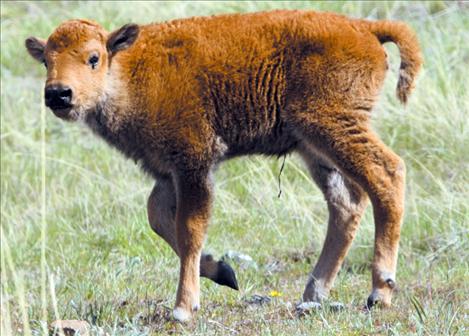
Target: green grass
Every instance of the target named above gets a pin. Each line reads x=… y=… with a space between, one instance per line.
x=101 y=262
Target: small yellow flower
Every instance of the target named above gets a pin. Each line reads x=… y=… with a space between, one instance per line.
x=275 y=293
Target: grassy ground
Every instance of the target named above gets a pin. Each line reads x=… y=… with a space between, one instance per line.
x=75 y=243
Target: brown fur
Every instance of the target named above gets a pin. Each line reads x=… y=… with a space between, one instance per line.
x=180 y=97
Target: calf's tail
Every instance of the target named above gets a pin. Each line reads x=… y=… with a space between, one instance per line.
x=411 y=58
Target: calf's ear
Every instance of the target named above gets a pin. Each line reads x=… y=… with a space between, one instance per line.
x=35 y=48
x=122 y=38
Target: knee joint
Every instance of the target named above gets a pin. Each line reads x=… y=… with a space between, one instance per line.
x=343 y=196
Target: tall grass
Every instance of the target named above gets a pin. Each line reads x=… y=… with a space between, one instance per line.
x=75 y=243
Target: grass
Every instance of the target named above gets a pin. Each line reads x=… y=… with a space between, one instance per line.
x=75 y=243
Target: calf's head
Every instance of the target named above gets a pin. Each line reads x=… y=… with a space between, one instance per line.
x=77 y=56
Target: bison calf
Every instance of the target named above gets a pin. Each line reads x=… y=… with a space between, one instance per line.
x=180 y=97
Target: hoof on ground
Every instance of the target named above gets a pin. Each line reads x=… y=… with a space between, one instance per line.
x=315 y=291
x=182 y=315
x=381 y=296
x=305 y=308
x=376 y=299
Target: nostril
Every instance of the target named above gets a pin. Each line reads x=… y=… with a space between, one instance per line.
x=66 y=93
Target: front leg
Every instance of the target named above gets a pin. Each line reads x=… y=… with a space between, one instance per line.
x=193 y=210
x=162 y=218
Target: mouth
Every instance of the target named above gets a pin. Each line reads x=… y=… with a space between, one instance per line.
x=62 y=112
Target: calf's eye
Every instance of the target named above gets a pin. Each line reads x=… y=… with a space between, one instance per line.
x=93 y=61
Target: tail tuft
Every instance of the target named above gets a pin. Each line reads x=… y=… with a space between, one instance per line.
x=405 y=84
x=411 y=57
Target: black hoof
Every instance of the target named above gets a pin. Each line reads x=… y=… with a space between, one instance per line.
x=372 y=301
x=225 y=276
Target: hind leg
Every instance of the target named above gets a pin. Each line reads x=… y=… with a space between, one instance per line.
x=344 y=137
x=346 y=202
x=161 y=208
